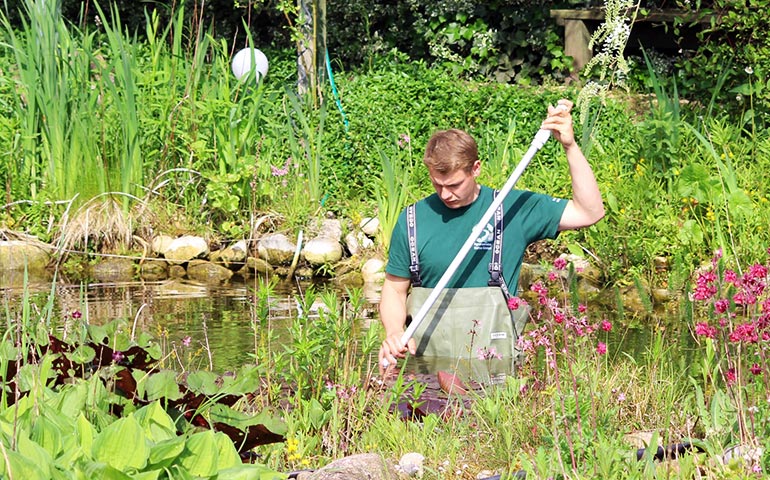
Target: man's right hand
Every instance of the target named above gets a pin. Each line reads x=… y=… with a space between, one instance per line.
x=391 y=350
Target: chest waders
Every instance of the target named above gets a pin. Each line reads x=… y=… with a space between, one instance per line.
x=467 y=323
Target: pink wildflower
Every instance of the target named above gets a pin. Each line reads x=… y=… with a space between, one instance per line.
x=515 y=302
x=560 y=263
x=721 y=305
x=582 y=308
x=76 y=314
x=730 y=376
x=539 y=288
x=558 y=317
x=703 y=329
x=756 y=369
x=730 y=277
x=117 y=356
x=601 y=348
x=186 y=341
x=606 y=325
x=552 y=277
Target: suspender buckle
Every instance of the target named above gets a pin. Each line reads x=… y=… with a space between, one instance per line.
x=414 y=274
x=494 y=277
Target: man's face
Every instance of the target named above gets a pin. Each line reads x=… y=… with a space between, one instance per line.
x=458 y=188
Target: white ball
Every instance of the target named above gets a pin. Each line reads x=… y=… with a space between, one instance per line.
x=246 y=60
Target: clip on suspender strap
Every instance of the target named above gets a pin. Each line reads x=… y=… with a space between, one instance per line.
x=496 y=278
x=414 y=261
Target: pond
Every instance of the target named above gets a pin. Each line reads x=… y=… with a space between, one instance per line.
x=218 y=319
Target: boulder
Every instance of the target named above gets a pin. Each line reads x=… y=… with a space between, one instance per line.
x=370 y=466
x=258 y=265
x=276 y=249
x=114 y=269
x=160 y=244
x=356 y=242
x=373 y=271
x=15 y=254
x=207 y=272
x=370 y=226
x=186 y=248
x=232 y=257
x=322 y=250
x=154 y=269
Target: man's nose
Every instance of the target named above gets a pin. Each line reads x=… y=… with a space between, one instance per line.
x=446 y=194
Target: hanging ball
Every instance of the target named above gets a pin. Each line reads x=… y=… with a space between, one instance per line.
x=246 y=60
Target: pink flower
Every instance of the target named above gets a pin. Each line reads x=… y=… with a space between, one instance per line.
x=601 y=348
x=558 y=317
x=186 y=341
x=560 y=263
x=76 y=314
x=515 y=302
x=539 y=288
x=703 y=329
x=606 y=325
x=117 y=356
x=552 y=277
x=730 y=376
x=582 y=308
x=756 y=369
x=721 y=305
x=730 y=277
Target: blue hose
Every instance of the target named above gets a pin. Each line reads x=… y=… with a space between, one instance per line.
x=334 y=91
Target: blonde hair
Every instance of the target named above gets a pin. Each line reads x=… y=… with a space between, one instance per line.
x=450 y=150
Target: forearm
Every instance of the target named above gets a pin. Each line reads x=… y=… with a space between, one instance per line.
x=392 y=310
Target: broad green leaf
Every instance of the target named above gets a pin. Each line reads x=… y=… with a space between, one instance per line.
x=47 y=434
x=110 y=445
x=227 y=455
x=223 y=414
x=250 y=472
x=202 y=381
x=85 y=433
x=22 y=466
x=162 y=385
x=72 y=400
x=94 y=470
x=164 y=453
x=82 y=354
x=149 y=475
x=36 y=454
x=157 y=424
x=200 y=454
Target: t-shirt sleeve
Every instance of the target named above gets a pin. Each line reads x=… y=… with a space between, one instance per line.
x=398 y=253
x=542 y=214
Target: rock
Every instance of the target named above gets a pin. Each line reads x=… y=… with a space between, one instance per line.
x=207 y=272
x=232 y=257
x=410 y=465
x=258 y=265
x=330 y=228
x=176 y=271
x=112 y=269
x=662 y=295
x=160 y=244
x=356 y=242
x=322 y=250
x=370 y=226
x=186 y=248
x=15 y=254
x=276 y=249
x=373 y=271
x=364 y=466
x=349 y=279
x=154 y=269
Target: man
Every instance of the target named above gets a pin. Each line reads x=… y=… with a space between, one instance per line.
x=427 y=237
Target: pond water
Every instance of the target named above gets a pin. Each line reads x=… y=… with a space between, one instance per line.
x=221 y=317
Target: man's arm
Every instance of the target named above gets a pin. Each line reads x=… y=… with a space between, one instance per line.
x=393 y=316
x=586 y=206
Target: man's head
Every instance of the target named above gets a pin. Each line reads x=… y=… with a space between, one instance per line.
x=453 y=164
x=450 y=150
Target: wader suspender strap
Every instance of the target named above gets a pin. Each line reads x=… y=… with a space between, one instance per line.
x=495 y=267
x=496 y=278
x=414 y=261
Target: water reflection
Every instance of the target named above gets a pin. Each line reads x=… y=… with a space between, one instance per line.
x=220 y=319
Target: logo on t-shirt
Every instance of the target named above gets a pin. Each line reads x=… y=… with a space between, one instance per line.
x=484 y=242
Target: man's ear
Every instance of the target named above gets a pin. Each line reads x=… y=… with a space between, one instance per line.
x=476 y=168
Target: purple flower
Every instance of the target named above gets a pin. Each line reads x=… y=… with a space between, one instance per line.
x=186 y=341
x=76 y=314
x=117 y=356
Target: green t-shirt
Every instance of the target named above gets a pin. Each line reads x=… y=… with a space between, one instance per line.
x=442 y=231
